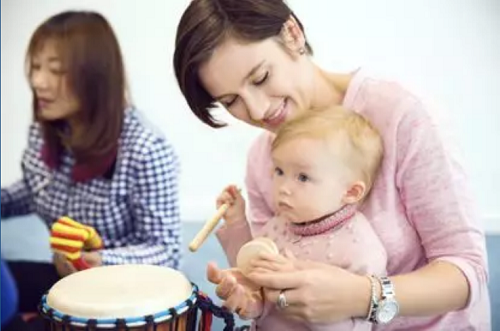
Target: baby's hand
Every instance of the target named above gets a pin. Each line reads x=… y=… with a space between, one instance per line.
x=236 y=211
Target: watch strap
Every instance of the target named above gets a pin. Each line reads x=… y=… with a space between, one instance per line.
x=372 y=312
x=387 y=288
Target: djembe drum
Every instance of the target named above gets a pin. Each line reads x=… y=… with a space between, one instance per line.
x=129 y=297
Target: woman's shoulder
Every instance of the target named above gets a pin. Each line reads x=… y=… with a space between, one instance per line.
x=34 y=146
x=261 y=145
x=387 y=101
x=142 y=140
x=259 y=152
x=35 y=137
x=385 y=95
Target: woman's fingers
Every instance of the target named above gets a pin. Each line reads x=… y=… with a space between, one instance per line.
x=289 y=255
x=296 y=308
x=264 y=265
x=271 y=257
x=272 y=262
x=63 y=266
x=277 y=280
x=292 y=296
x=266 y=260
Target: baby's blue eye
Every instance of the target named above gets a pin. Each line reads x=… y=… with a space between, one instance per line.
x=303 y=178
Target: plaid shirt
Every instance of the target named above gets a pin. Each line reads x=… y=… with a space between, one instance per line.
x=136 y=211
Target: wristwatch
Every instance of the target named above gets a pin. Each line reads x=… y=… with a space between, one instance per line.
x=387 y=307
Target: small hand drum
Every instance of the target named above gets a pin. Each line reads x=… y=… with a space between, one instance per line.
x=129 y=297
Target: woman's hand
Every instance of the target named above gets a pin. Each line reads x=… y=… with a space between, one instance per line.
x=62 y=264
x=315 y=292
x=64 y=267
x=236 y=211
x=239 y=294
x=93 y=258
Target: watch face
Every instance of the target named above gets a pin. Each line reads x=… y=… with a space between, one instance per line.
x=387 y=311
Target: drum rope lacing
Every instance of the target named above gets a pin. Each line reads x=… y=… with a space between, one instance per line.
x=201 y=301
x=206 y=305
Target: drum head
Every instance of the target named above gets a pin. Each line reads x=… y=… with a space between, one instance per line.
x=120 y=292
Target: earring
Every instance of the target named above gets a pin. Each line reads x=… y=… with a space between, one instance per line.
x=302 y=51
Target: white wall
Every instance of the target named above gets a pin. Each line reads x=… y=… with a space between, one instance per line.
x=446 y=50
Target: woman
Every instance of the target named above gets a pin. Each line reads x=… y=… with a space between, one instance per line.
x=90 y=157
x=252 y=57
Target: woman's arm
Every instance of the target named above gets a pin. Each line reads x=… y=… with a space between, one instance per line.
x=258 y=172
x=309 y=289
x=154 y=203
x=438 y=201
x=17 y=200
x=437 y=288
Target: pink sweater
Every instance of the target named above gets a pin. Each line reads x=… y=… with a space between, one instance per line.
x=421 y=205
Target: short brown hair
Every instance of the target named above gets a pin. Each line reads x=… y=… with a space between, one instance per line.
x=205 y=24
x=360 y=142
x=94 y=72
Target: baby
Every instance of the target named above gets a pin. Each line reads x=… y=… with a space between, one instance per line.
x=325 y=163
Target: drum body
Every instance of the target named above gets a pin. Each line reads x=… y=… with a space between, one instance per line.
x=129 y=297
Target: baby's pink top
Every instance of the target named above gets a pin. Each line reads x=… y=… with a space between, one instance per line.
x=353 y=246
x=421 y=204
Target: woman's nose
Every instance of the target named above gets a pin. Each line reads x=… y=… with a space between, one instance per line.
x=257 y=106
x=39 y=80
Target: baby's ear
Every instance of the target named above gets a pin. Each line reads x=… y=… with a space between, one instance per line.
x=354 y=193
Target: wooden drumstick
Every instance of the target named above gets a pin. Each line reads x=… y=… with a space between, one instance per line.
x=207 y=228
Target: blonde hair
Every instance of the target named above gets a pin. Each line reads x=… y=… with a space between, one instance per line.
x=357 y=139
